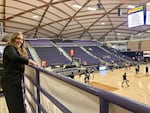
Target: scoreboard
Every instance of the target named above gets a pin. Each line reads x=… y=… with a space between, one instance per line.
x=139 y=16
x=147 y=14
x=136 y=17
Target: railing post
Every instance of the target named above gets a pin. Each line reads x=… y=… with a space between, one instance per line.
x=103 y=106
x=38 y=92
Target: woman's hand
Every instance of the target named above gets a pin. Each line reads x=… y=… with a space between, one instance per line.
x=33 y=63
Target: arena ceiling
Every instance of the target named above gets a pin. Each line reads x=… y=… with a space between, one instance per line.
x=71 y=19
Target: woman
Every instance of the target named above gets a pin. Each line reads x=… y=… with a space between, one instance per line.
x=14 y=58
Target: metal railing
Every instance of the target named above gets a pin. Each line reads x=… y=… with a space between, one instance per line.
x=49 y=92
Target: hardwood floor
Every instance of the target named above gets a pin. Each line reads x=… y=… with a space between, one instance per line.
x=139 y=89
x=3 y=107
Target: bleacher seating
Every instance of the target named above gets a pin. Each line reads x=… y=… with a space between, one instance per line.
x=48 y=52
x=29 y=54
x=86 y=42
x=51 y=55
x=107 y=57
x=85 y=58
x=118 y=53
x=40 y=43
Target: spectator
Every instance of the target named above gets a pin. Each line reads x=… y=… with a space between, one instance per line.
x=14 y=58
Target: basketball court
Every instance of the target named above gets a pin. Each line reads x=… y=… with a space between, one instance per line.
x=139 y=89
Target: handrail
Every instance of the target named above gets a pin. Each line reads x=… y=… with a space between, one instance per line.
x=104 y=96
x=61 y=106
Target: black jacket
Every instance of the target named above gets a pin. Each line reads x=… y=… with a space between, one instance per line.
x=13 y=64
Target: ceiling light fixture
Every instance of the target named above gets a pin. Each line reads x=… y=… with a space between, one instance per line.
x=77 y=6
x=35 y=16
x=130 y=6
x=148 y=3
x=118 y=34
x=103 y=23
x=91 y=8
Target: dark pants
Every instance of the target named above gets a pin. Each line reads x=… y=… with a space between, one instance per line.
x=14 y=97
x=1 y=73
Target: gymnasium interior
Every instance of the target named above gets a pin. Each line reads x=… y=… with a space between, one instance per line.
x=83 y=48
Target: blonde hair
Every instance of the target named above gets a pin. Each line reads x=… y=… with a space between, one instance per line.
x=11 y=41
